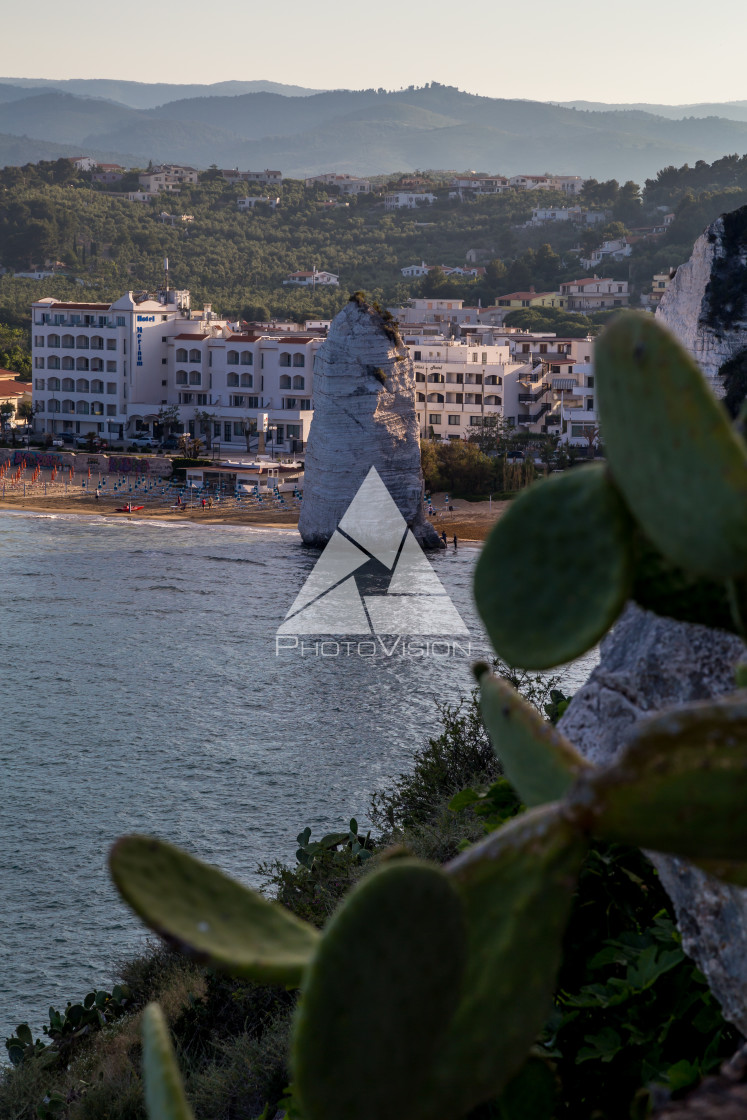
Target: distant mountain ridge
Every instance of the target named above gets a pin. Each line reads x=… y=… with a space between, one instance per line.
x=365 y=132
x=148 y=95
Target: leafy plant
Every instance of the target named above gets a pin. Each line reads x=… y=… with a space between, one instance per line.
x=472 y=950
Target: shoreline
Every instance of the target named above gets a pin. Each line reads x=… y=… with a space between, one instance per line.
x=469 y=521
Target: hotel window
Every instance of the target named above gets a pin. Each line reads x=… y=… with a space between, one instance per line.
x=474 y=357
x=195 y=356
x=232 y=358
x=238 y=428
x=247 y=358
x=111 y=388
x=181 y=354
x=232 y=380
x=246 y=381
x=181 y=377
x=284 y=360
x=111 y=344
x=121 y=321
x=454 y=421
x=434 y=418
x=53 y=384
x=111 y=410
x=38 y=363
x=39 y=383
x=299 y=359
x=202 y=398
x=195 y=377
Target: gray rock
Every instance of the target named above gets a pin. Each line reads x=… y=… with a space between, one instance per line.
x=649 y=663
x=705 y=306
x=364 y=416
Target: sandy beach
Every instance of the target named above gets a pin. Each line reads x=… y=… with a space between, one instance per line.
x=470 y=521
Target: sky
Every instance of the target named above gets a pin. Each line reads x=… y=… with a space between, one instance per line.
x=668 y=51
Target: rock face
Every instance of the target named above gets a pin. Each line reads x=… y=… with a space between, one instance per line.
x=364 y=416
x=706 y=303
x=649 y=663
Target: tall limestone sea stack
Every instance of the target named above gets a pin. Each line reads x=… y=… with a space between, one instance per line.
x=364 y=416
x=706 y=306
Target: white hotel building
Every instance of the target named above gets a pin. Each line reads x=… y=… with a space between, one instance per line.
x=111 y=370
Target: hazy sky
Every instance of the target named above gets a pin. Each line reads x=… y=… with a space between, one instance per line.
x=671 y=51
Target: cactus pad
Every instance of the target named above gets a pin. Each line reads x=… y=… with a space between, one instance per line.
x=539 y=762
x=680 y=786
x=671 y=449
x=379 y=997
x=556 y=569
x=209 y=916
x=663 y=587
x=164 y=1092
x=517 y=886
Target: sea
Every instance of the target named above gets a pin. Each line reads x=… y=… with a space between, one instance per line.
x=144 y=692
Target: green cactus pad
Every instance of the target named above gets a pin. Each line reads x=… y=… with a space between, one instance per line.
x=671 y=448
x=539 y=762
x=663 y=587
x=164 y=1092
x=209 y=916
x=680 y=786
x=556 y=569
x=379 y=996
x=517 y=886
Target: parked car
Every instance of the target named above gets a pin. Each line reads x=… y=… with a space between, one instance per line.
x=171 y=443
x=144 y=443
x=67 y=437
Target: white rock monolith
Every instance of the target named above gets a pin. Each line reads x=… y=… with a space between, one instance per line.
x=364 y=416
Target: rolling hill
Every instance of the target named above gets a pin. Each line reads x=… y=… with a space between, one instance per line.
x=370 y=131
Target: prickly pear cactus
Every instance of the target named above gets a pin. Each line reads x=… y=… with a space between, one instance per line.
x=422 y=997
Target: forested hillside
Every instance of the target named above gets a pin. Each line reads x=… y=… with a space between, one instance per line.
x=104 y=244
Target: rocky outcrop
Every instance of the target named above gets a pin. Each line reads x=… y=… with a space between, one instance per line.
x=649 y=663
x=364 y=416
x=706 y=303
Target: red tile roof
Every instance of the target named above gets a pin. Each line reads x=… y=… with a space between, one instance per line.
x=194 y=337
x=9 y=387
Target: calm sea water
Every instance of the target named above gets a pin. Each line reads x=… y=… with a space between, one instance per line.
x=142 y=693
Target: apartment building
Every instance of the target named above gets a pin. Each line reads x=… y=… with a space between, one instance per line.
x=614 y=250
x=458 y=382
x=407 y=200
x=266 y=178
x=311 y=279
x=595 y=294
x=167 y=178
x=476 y=186
x=110 y=370
x=567 y=184
x=97 y=366
x=244 y=381
x=345 y=184
x=514 y=301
